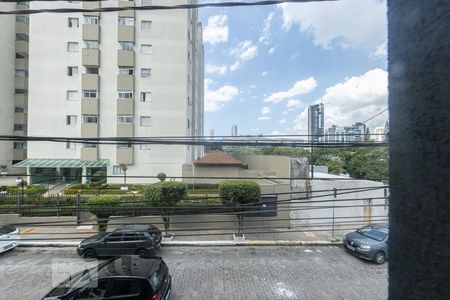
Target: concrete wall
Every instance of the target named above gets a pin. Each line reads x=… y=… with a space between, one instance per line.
x=281 y=165
x=300 y=216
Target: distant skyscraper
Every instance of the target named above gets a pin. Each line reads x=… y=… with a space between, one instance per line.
x=234 y=130
x=316 y=122
x=386 y=132
x=379 y=134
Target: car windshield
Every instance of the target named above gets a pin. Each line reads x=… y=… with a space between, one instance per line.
x=373 y=233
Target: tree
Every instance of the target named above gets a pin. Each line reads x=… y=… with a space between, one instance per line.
x=124 y=168
x=238 y=194
x=370 y=163
x=102 y=207
x=161 y=176
x=165 y=196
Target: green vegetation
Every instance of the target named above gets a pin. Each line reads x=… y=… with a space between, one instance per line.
x=239 y=193
x=161 y=176
x=165 y=196
x=103 y=208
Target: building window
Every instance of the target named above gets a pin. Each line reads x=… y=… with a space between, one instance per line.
x=127 y=46
x=146 y=97
x=189 y=124
x=117 y=170
x=146 y=73
x=126 y=21
x=72 y=22
x=126 y=71
x=125 y=119
x=72 y=95
x=72 y=71
x=146 y=25
x=90 y=93
x=189 y=101
x=146 y=121
x=20 y=91
x=89 y=145
x=72 y=47
x=22 y=19
x=146 y=147
x=70 y=145
x=146 y=49
x=90 y=118
x=91 y=44
x=91 y=70
x=146 y=2
x=19 y=145
x=71 y=120
x=19 y=109
x=20 y=127
x=125 y=94
x=22 y=37
x=91 y=20
x=21 y=73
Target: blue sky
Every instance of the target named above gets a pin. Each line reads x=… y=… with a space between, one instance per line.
x=265 y=65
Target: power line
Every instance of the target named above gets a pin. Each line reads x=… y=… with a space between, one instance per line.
x=384 y=110
x=151 y=7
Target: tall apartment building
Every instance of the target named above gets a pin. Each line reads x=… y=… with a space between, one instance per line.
x=114 y=74
x=316 y=122
x=234 y=130
x=358 y=132
x=13 y=82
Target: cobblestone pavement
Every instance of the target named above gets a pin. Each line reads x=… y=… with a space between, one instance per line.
x=217 y=273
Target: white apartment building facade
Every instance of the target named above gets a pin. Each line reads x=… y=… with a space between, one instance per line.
x=114 y=74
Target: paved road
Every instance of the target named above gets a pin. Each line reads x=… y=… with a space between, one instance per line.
x=217 y=273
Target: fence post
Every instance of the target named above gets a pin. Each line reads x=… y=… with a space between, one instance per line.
x=334 y=198
x=57 y=205
x=206 y=203
x=134 y=204
x=19 y=205
x=78 y=210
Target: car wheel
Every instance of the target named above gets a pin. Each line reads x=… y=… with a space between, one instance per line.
x=379 y=258
x=142 y=252
x=89 y=253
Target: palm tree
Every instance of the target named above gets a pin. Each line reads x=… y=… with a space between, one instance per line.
x=124 y=168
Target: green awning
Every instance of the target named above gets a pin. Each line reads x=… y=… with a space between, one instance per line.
x=62 y=163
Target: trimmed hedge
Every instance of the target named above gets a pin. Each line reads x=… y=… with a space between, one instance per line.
x=202 y=186
x=165 y=194
x=103 y=207
x=204 y=191
x=235 y=192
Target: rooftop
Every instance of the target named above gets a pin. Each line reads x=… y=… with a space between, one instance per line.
x=218 y=158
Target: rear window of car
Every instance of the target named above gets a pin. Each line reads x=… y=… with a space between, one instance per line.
x=125 y=287
x=373 y=233
x=5 y=229
x=157 y=277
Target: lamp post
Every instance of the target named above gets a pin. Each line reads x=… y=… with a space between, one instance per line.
x=21 y=181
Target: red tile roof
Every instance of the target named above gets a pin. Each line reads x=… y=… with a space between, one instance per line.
x=218 y=158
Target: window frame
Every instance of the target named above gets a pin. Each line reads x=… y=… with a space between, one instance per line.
x=76 y=44
x=91 y=44
x=145 y=124
x=144 y=70
x=126 y=44
x=72 y=92
x=87 y=94
x=88 y=20
x=125 y=21
x=121 y=94
x=148 y=46
x=126 y=70
x=89 y=119
x=70 y=24
x=125 y=119
x=144 y=97
x=70 y=118
x=71 y=69
x=148 y=25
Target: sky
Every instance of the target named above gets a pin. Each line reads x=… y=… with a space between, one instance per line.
x=265 y=65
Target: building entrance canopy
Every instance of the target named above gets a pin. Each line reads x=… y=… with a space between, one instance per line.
x=61 y=163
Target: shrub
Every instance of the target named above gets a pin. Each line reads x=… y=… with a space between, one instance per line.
x=102 y=207
x=203 y=185
x=161 y=176
x=165 y=196
x=237 y=193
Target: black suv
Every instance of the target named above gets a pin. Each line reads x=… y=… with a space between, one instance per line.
x=127 y=277
x=127 y=239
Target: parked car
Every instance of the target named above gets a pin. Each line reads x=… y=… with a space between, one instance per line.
x=127 y=239
x=9 y=236
x=129 y=277
x=369 y=242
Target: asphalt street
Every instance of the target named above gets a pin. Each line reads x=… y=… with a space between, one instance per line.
x=216 y=273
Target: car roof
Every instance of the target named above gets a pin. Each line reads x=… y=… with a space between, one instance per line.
x=381 y=227
x=129 y=266
x=137 y=227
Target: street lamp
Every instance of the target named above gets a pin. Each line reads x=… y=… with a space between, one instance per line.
x=21 y=181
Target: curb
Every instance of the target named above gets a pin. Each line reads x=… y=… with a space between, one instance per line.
x=199 y=243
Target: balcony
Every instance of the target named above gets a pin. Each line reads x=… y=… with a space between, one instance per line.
x=20 y=133
x=22 y=27
x=91 y=57
x=91 y=32
x=20 y=100
x=22 y=63
x=21 y=83
x=19 y=154
x=126 y=13
x=90 y=82
x=22 y=47
x=125 y=33
x=125 y=82
x=91 y=5
x=125 y=156
x=89 y=153
x=125 y=106
x=125 y=130
x=125 y=58
x=20 y=118
x=89 y=130
x=89 y=106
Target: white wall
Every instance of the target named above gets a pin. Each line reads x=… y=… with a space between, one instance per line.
x=7 y=69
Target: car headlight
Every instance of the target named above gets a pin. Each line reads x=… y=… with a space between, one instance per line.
x=365 y=247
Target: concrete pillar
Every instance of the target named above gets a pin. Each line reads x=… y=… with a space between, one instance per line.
x=419 y=104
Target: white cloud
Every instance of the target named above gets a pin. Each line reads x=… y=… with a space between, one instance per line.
x=355 y=99
x=245 y=51
x=216 y=99
x=216 y=69
x=264 y=73
x=282 y=121
x=300 y=88
x=271 y=50
x=264 y=114
x=265 y=35
x=264 y=118
x=216 y=31
x=275 y=132
x=345 y=23
x=297 y=104
x=380 y=51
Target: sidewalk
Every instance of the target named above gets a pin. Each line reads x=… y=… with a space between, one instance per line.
x=70 y=236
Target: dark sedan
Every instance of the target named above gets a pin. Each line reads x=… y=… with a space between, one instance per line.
x=127 y=239
x=369 y=242
x=128 y=277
